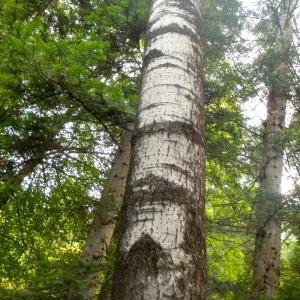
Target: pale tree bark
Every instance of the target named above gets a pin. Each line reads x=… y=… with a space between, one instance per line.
x=161 y=250
x=266 y=266
x=103 y=226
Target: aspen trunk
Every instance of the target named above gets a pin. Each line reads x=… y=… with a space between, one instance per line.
x=266 y=266
x=161 y=250
x=103 y=225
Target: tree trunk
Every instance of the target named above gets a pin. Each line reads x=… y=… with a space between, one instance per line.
x=102 y=228
x=268 y=225
x=161 y=250
x=266 y=266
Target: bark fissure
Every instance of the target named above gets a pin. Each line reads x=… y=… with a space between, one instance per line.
x=188 y=69
x=152 y=189
x=187 y=130
x=190 y=95
x=173 y=29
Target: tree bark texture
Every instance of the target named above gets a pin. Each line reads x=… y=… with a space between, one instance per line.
x=161 y=250
x=266 y=266
x=103 y=226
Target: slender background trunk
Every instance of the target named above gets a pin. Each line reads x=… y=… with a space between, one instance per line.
x=266 y=266
x=103 y=226
x=161 y=251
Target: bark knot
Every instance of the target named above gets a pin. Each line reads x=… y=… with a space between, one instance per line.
x=147 y=254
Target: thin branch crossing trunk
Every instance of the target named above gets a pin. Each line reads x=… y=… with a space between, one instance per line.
x=161 y=250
